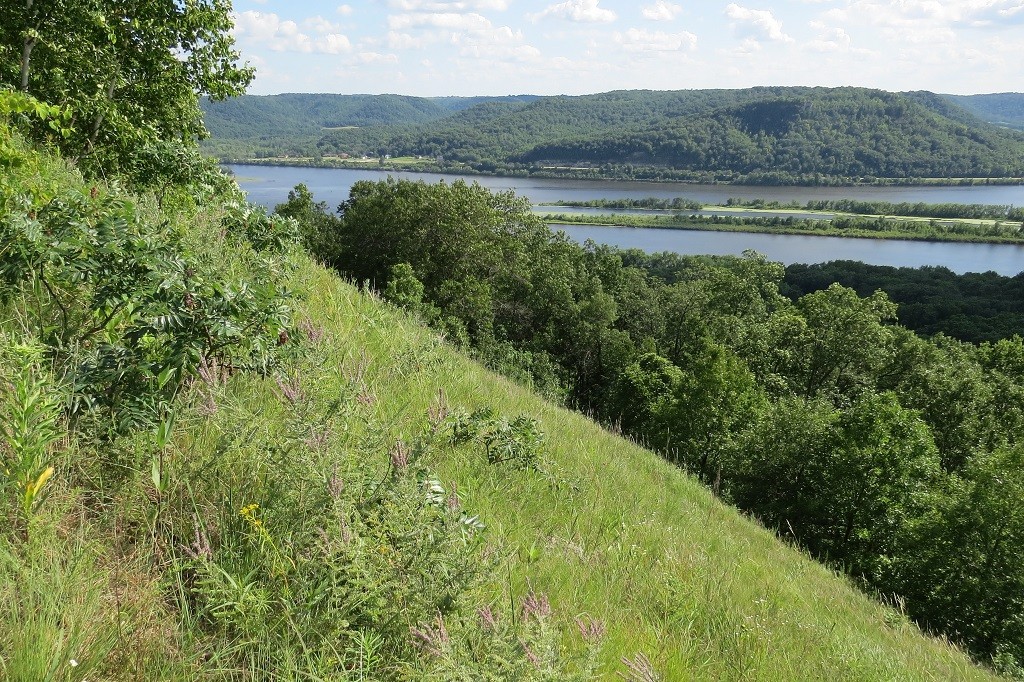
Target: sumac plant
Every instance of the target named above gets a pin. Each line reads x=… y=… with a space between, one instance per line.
x=126 y=310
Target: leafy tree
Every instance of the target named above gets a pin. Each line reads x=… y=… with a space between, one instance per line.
x=964 y=574
x=845 y=483
x=403 y=288
x=716 y=397
x=318 y=227
x=839 y=344
x=641 y=392
x=130 y=73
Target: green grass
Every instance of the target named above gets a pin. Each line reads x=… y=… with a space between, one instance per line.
x=604 y=528
x=611 y=530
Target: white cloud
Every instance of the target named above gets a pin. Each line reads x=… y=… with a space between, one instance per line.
x=661 y=10
x=446 y=20
x=451 y=6
x=498 y=52
x=404 y=41
x=830 y=40
x=756 y=23
x=376 y=58
x=320 y=25
x=332 y=43
x=284 y=36
x=344 y=10
x=502 y=36
x=639 y=40
x=979 y=13
x=584 y=11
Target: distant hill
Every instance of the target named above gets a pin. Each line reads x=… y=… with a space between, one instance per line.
x=1004 y=108
x=297 y=113
x=774 y=135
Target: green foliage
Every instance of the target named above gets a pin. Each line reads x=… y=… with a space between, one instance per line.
x=318 y=228
x=517 y=441
x=1003 y=109
x=55 y=624
x=128 y=82
x=972 y=307
x=403 y=288
x=963 y=573
x=124 y=306
x=265 y=233
x=30 y=423
x=756 y=136
x=818 y=416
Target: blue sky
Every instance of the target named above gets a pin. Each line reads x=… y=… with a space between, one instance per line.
x=547 y=47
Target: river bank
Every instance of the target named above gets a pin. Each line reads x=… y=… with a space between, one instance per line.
x=837 y=225
x=652 y=174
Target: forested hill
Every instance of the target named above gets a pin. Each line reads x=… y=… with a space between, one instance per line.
x=304 y=113
x=1003 y=108
x=772 y=135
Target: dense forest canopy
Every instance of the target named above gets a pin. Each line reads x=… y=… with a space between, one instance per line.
x=770 y=135
x=1005 y=108
x=972 y=307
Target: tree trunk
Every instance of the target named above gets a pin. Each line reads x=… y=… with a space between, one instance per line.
x=26 y=52
x=100 y=116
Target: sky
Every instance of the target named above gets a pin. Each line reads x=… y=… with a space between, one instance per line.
x=432 y=48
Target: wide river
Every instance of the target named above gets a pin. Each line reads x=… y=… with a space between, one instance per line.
x=269 y=185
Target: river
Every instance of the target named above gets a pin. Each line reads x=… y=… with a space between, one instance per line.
x=269 y=185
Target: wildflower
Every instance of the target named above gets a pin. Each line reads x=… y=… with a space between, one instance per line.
x=487 y=618
x=317 y=439
x=536 y=605
x=73 y=663
x=335 y=485
x=399 y=456
x=432 y=637
x=453 y=499
x=438 y=411
x=291 y=391
x=591 y=630
x=533 y=658
x=640 y=669
x=200 y=547
x=313 y=333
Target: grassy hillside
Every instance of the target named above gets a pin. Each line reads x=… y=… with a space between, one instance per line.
x=770 y=135
x=304 y=500
x=608 y=529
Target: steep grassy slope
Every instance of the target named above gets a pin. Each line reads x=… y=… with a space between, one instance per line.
x=189 y=552
x=608 y=529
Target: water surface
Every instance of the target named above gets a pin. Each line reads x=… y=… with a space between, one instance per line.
x=269 y=186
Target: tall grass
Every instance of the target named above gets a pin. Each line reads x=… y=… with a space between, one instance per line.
x=374 y=505
x=611 y=531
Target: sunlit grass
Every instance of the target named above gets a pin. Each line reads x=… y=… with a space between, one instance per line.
x=610 y=530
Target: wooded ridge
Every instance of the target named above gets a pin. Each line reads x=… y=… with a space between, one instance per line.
x=767 y=135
